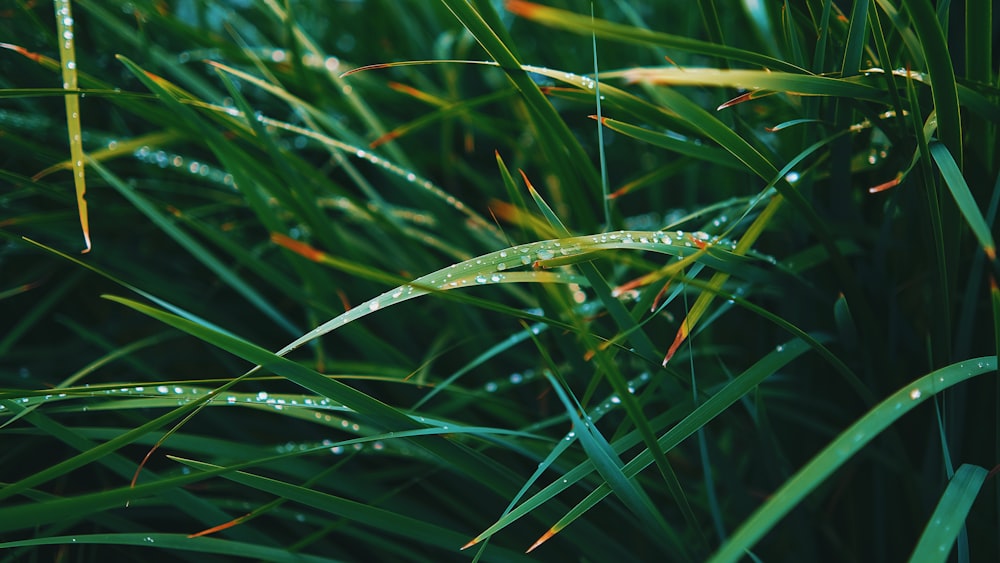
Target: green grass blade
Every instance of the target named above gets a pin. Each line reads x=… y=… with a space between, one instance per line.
x=944 y=89
x=67 y=59
x=963 y=197
x=843 y=448
x=949 y=516
x=757 y=81
x=857 y=34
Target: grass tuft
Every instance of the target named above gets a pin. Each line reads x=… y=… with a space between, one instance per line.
x=374 y=287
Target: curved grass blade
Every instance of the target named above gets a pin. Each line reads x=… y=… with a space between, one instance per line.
x=499 y=267
x=949 y=517
x=67 y=59
x=843 y=448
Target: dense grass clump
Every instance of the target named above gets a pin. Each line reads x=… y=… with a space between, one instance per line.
x=370 y=280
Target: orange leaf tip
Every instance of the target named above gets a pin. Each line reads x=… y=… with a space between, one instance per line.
x=681 y=335
x=471 y=543
x=297 y=247
x=887 y=185
x=545 y=537
x=521 y=8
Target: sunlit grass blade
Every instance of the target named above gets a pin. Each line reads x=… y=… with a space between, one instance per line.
x=67 y=58
x=949 y=517
x=843 y=448
x=784 y=82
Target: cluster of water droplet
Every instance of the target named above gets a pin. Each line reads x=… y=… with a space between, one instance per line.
x=192 y=166
x=514 y=379
x=308 y=60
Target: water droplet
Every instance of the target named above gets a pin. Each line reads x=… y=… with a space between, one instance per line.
x=516 y=378
x=480 y=279
x=545 y=254
x=915 y=394
x=373 y=306
x=490 y=387
x=262 y=396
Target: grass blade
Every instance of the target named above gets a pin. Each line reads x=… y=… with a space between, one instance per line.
x=949 y=516
x=67 y=61
x=843 y=448
x=963 y=197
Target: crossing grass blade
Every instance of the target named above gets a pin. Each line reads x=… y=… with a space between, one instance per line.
x=690 y=423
